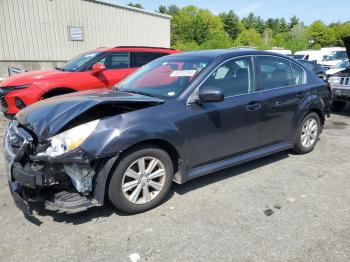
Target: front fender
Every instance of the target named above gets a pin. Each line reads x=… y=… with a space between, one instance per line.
x=111 y=139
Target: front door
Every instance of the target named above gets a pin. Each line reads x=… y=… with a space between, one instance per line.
x=223 y=129
x=118 y=66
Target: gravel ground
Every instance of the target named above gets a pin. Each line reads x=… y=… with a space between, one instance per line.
x=281 y=208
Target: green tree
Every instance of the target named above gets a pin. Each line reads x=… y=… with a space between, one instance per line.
x=194 y=24
x=170 y=10
x=254 y=22
x=186 y=46
x=297 y=38
x=321 y=34
x=137 y=5
x=220 y=40
x=340 y=30
x=293 y=22
x=232 y=24
x=249 y=37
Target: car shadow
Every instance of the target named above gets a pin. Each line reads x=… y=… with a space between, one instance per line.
x=96 y=214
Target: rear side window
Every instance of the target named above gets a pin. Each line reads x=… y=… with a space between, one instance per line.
x=236 y=77
x=275 y=72
x=142 y=58
x=297 y=74
x=116 y=60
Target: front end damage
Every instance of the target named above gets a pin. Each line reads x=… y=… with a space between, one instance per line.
x=44 y=152
x=64 y=184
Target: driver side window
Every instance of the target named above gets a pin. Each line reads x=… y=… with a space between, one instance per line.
x=116 y=60
x=234 y=76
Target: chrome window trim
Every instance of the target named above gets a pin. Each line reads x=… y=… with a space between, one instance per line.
x=191 y=98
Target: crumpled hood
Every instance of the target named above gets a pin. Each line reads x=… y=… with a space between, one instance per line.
x=33 y=76
x=47 y=117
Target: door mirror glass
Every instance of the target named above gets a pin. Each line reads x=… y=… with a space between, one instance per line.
x=211 y=94
x=97 y=68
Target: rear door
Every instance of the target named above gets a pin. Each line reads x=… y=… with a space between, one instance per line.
x=139 y=59
x=283 y=94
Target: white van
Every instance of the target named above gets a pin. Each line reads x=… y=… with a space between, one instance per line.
x=310 y=55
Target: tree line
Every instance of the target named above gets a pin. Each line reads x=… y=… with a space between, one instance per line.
x=193 y=28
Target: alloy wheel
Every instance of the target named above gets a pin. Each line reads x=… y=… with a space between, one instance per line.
x=309 y=133
x=143 y=180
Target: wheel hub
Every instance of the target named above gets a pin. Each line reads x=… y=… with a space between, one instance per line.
x=143 y=180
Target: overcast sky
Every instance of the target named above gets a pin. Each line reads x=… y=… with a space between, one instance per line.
x=307 y=10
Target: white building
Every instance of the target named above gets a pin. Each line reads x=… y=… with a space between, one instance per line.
x=38 y=34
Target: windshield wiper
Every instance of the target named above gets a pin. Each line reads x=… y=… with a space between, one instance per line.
x=137 y=92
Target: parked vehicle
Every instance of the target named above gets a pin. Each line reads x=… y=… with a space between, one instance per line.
x=309 y=55
x=334 y=58
x=177 y=118
x=340 y=83
x=103 y=67
x=315 y=67
x=342 y=65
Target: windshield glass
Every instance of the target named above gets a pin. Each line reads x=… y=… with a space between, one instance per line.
x=342 y=64
x=337 y=55
x=166 y=77
x=75 y=63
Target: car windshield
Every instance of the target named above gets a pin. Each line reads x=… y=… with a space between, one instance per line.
x=336 y=55
x=342 y=64
x=165 y=77
x=75 y=63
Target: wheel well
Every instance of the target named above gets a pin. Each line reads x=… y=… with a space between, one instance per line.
x=166 y=146
x=57 y=91
x=319 y=113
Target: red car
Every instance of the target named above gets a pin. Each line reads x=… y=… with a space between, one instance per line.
x=103 y=67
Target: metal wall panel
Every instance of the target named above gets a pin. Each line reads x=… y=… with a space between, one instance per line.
x=37 y=30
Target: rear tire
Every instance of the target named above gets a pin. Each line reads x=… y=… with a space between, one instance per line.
x=141 y=180
x=338 y=106
x=308 y=134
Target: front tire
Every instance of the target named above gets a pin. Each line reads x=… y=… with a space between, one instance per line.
x=338 y=106
x=308 y=134
x=141 y=180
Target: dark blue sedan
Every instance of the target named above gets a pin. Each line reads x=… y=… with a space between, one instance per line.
x=177 y=118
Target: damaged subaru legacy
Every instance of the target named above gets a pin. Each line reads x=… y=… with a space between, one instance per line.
x=177 y=118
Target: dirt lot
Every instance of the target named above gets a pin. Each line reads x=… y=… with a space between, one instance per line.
x=281 y=208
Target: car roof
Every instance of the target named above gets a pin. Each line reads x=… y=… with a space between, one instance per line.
x=138 y=48
x=216 y=53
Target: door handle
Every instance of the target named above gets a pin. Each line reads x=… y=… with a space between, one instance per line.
x=253 y=106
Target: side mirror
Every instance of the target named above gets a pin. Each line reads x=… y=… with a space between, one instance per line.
x=97 y=68
x=211 y=94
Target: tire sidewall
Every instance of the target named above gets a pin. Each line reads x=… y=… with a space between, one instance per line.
x=299 y=148
x=115 y=193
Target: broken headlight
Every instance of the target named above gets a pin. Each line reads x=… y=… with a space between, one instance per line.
x=69 y=140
